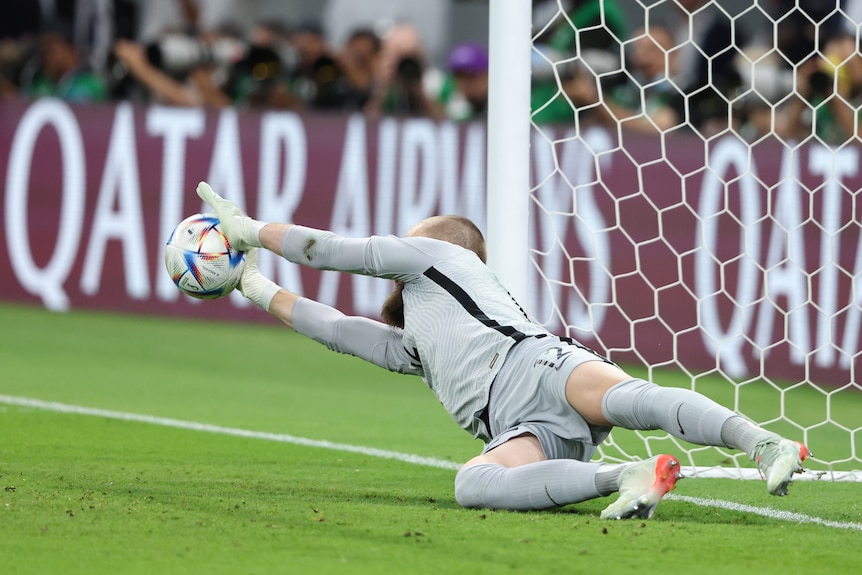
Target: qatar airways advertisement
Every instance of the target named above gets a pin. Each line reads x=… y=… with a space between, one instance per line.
x=718 y=255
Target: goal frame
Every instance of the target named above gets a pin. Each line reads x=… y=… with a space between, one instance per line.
x=510 y=47
x=508 y=192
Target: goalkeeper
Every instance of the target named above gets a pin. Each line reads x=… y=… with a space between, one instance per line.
x=541 y=403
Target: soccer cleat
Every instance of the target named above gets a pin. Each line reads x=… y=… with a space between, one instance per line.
x=777 y=460
x=642 y=485
x=234 y=222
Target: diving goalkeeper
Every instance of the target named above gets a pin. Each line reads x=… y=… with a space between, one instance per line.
x=541 y=403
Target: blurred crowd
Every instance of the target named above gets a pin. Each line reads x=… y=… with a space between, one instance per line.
x=203 y=57
x=790 y=68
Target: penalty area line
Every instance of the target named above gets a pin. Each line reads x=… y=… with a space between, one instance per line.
x=374 y=452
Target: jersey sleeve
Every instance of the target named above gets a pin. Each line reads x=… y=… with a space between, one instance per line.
x=365 y=338
x=387 y=257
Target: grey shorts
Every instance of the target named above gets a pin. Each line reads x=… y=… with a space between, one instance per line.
x=529 y=396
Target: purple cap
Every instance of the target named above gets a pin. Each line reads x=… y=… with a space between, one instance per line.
x=469 y=58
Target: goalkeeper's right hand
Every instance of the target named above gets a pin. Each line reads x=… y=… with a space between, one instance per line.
x=254 y=285
x=242 y=231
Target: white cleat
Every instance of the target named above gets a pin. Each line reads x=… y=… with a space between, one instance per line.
x=778 y=460
x=642 y=485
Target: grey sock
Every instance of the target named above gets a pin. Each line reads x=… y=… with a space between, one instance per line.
x=608 y=478
x=739 y=433
x=686 y=414
x=540 y=485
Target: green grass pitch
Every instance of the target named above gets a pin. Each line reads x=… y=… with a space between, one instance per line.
x=85 y=494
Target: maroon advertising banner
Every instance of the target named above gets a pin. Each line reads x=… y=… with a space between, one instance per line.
x=713 y=256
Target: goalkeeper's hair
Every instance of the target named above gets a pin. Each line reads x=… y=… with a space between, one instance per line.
x=454 y=229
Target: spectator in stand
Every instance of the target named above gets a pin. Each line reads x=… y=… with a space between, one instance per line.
x=214 y=70
x=13 y=56
x=60 y=71
x=194 y=87
x=845 y=61
x=755 y=118
x=404 y=83
x=589 y=25
x=319 y=79
x=358 y=60
x=706 y=42
x=644 y=104
x=158 y=17
x=261 y=78
x=591 y=31
x=580 y=86
x=19 y=26
x=828 y=94
x=430 y=20
x=821 y=46
x=464 y=95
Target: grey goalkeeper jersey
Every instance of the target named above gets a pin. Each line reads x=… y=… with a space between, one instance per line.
x=459 y=321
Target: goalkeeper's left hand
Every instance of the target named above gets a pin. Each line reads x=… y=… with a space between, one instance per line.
x=254 y=285
x=242 y=231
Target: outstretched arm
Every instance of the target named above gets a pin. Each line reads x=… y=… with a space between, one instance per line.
x=371 y=340
x=271 y=236
x=367 y=339
x=381 y=256
x=281 y=306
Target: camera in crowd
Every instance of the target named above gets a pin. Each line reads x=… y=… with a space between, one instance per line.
x=409 y=71
x=820 y=83
x=179 y=54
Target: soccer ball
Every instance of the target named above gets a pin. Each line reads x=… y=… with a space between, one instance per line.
x=200 y=259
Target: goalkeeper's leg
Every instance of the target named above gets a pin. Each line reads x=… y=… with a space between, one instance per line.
x=604 y=395
x=517 y=476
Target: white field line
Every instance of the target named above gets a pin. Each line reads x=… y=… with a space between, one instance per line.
x=765 y=512
x=191 y=425
x=374 y=452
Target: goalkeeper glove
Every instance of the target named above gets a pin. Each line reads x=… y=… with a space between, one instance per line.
x=254 y=285
x=242 y=231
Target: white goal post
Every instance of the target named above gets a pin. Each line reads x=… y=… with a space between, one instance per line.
x=509 y=46
x=705 y=235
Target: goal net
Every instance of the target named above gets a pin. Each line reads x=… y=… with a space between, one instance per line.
x=696 y=211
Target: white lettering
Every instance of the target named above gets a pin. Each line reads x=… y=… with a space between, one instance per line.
x=729 y=154
x=418 y=183
x=785 y=265
x=175 y=125
x=569 y=203
x=282 y=142
x=387 y=164
x=550 y=235
x=589 y=225
x=351 y=213
x=46 y=282
x=384 y=201
x=467 y=195
x=120 y=185
x=225 y=174
x=833 y=165
x=853 y=324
